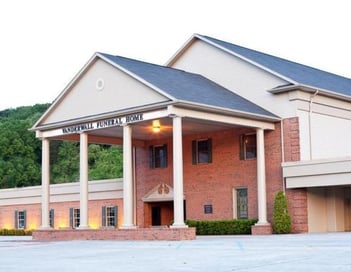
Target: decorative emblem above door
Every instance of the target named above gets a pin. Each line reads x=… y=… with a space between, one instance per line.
x=161 y=192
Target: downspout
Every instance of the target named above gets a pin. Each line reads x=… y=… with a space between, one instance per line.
x=310 y=120
x=283 y=149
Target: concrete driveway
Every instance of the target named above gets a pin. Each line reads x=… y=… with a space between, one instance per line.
x=299 y=252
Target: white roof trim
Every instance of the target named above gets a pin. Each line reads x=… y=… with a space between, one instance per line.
x=184 y=47
x=202 y=38
x=79 y=74
x=247 y=60
x=63 y=93
x=311 y=89
x=92 y=118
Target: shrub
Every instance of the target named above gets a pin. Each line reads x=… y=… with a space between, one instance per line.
x=222 y=227
x=281 y=218
x=15 y=232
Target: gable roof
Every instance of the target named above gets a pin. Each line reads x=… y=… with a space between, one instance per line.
x=295 y=73
x=175 y=85
x=181 y=86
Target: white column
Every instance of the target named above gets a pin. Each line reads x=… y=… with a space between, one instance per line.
x=261 y=178
x=127 y=178
x=178 y=193
x=45 y=184
x=83 y=171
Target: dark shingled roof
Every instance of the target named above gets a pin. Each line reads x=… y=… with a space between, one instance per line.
x=299 y=73
x=188 y=87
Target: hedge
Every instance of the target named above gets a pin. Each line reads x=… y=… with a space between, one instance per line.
x=15 y=232
x=222 y=227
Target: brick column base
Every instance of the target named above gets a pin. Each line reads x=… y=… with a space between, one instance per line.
x=265 y=229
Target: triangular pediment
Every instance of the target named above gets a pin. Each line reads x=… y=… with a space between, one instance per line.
x=161 y=192
x=98 y=89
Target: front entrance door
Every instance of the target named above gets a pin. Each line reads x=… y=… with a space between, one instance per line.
x=159 y=213
x=156 y=216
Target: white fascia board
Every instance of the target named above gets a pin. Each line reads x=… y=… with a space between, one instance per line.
x=220 y=118
x=56 y=129
x=79 y=74
x=65 y=90
x=200 y=37
x=247 y=60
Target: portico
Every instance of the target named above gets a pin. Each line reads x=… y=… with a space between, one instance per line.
x=177 y=123
x=131 y=125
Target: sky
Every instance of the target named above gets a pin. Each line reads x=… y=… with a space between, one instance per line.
x=44 y=44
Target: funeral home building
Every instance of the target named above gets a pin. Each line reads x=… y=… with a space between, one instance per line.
x=214 y=133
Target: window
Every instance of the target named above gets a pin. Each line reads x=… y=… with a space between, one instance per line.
x=208 y=208
x=202 y=151
x=20 y=219
x=248 y=146
x=109 y=216
x=158 y=156
x=74 y=218
x=241 y=203
x=51 y=218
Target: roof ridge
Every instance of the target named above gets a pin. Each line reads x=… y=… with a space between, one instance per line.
x=145 y=62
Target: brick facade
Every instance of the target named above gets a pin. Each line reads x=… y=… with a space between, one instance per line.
x=212 y=183
x=297 y=198
x=204 y=184
x=7 y=215
x=291 y=139
x=61 y=211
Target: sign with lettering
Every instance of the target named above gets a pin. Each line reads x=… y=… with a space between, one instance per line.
x=113 y=122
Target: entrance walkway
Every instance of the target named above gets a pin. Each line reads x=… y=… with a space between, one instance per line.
x=299 y=252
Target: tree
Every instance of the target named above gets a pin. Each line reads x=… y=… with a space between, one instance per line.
x=18 y=161
x=281 y=218
x=65 y=167
x=20 y=153
x=105 y=162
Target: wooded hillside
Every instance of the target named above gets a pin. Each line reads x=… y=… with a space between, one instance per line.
x=20 y=153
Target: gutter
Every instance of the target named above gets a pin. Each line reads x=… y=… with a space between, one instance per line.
x=310 y=89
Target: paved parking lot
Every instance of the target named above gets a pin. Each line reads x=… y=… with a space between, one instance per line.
x=301 y=252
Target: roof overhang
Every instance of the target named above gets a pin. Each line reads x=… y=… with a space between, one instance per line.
x=309 y=89
x=220 y=117
x=195 y=37
x=85 y=119
x=317 y=173
x=160 y=107
x=225 y=111
x=198 y=113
